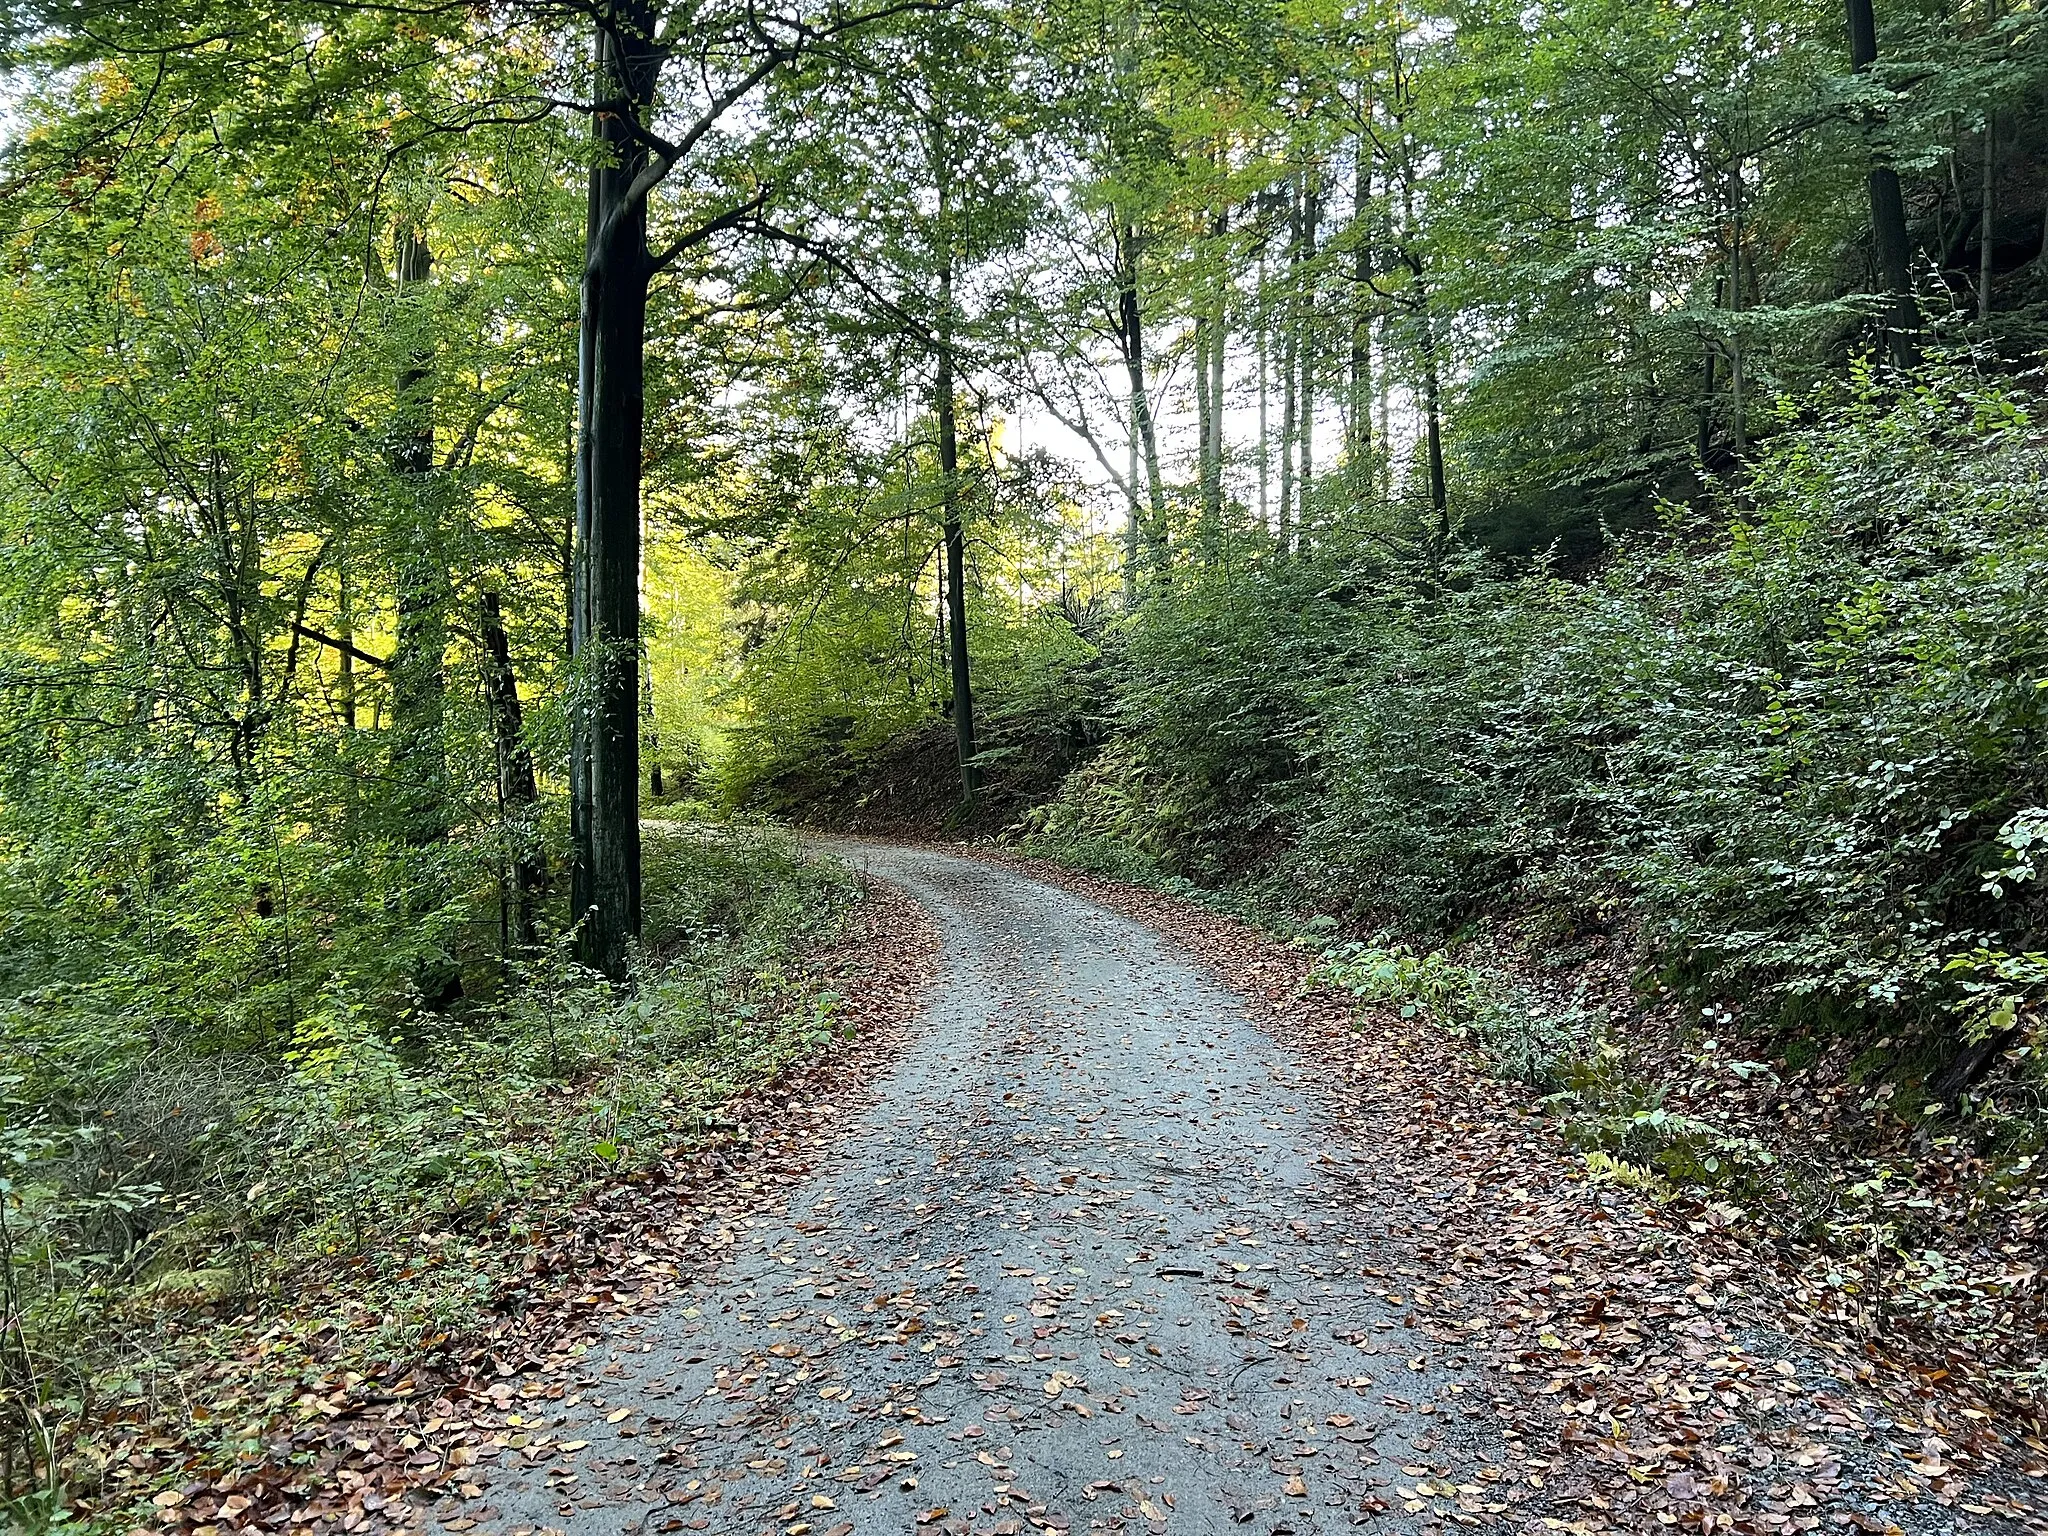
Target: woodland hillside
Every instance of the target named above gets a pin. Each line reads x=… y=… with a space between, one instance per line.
x=1544 y=506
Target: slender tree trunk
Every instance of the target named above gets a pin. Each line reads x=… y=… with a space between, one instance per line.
x=1984 y=238
x=419 y=762
x=1358 y=420
x=605 y=777
x=1132 y=518
x=1887 y=212
x=1290 y=357
x=1432 y=404
x=1265 y=445
x=1289 y=352
x=1707 y=386
x=1385 y=390
x=956 y=548
x=1212 y=428
x=1131 y=326
x=1202 y=418
x=649 y=730
x=1738 y=392
x=518 y=793
x=1311 y=219
x=1219 y=357
x=1439 y=495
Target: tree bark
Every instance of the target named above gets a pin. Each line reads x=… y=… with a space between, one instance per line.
x=605 y=746
x=1358 y=422
x=1984 y=237
x=419 y=754
x=1133 y=520
x=1212 y=428
x=1433 y=435
x=518 y=791
x=1708 y=384
x=1887 y=212
x=1131 y=339
x=1311 y=219
x=956 y=547
x=1202 y=422
x=649 y=725
x=1433 y=427
x=1290 y=357
x=1265 y=449
x=1738 y=382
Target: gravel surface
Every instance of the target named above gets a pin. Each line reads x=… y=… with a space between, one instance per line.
x=1115 y=1246
x=1085 y=1265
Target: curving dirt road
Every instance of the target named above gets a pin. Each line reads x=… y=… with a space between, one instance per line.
x=1083 y=1267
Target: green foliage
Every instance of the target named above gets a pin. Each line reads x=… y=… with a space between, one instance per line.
x=1615 y=1114
x=151 y=1171
x=1110 y=817
x=1523 y=1037
x=1787 y=749
x=843 y=650
x=1797 y=748
x=288 y=397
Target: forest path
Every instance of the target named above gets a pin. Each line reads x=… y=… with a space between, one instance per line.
x=1086 y=1264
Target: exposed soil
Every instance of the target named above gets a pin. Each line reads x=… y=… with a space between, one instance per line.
x=912 y=783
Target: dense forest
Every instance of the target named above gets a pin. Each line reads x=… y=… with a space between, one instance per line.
x=1545 y=504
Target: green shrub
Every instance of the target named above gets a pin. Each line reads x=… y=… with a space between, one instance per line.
x=1522 y=1037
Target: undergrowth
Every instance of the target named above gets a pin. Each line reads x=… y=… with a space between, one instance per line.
x=382 y=1170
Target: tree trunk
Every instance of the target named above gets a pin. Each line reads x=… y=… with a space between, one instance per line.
x=1969 y=1064
x=1738 y=382
x=1887 y=212
x=650 y=730
x=1131 y=337
x=419 y=760
x=1290 y=357
x=1132 y=519
x=1439 y=495
x=1433 y=435
x=605 y=746
x=956 y=548
x=1212 y=428
x=1311 y=218
x=1708 y=384
x=1386 y=410
x=1984 y=238
x=1358 y=421
x=518 y=792
x=1265 y=448
x=1202 y=416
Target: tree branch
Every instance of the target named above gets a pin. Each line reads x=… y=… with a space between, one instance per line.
x=308 y=632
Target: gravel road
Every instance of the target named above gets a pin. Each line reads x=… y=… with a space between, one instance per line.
x=1091 y=1262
